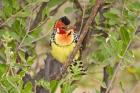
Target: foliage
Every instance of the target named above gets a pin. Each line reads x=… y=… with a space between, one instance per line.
x=121 y=25
x=17 y=38
x=121 y=31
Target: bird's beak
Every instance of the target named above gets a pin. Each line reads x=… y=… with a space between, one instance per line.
x=69 y=33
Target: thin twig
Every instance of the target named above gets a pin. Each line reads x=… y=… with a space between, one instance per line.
x=42 y=36
x=78 y=5
x=14 y=86
x=83 y=15
x=28 y=30
x=5 y=89
x=38 y=16
x=39 y=24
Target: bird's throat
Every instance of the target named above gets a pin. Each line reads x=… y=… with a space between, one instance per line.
x=64 y=39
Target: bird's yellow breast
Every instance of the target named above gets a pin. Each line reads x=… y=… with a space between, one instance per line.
x=61 y=53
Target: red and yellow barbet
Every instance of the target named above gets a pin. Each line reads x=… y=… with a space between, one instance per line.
x=63 y=41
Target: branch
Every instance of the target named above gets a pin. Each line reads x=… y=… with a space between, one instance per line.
x=82 y=36
x=78 y=5
x=105 y=78
x=38 y=22
x=85 y=30
x=39 y=16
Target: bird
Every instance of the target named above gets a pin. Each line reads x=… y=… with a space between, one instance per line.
x=63 y=41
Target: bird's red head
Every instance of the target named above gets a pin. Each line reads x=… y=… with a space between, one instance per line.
x=60 y=25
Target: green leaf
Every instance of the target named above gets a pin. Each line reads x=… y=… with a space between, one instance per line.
x=138 y=72
x=54 y=85
x=131 y=30
x=28 y=41
x=2 y=56
x=68 y=10
x=98 y=56
x=134 y=6
x=24 y=13
x=124 y=35
x=115 y=11
x=16 y=26
x=52 y=3
x=46 y=11
x=115 y=44
x=22 y=73
x=14 y=35
x=97 y=91
x=103 y=52
x=113 y=21
x=27 y=88
x=110 y=71
x=34 y=1
x=129 y=58
x=22 y=56
x=50 y=24
x=3 y=69
x=10 y=83
x=36 y=33
x=45 y=84
x=30 y=60
x=122 y=86
x=15 y=4
x=7 y=7
x=92 y=1
x=67 y=88
x=111 y=15
x=2 y=32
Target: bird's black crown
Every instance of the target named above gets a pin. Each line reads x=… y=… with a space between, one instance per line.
x=65 y=20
